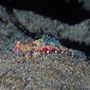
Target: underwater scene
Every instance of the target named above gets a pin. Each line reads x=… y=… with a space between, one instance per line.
x=41 y=53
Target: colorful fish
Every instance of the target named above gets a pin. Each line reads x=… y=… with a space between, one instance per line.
x=41 y=46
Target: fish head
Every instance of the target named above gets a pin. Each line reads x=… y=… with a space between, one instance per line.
x=17 y=47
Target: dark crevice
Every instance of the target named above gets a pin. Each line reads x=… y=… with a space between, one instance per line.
x=77 y=46
x=71 y=13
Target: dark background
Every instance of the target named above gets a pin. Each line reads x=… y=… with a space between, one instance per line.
x=68 y=12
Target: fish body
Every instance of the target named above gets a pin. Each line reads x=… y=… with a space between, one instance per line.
x=39 y=47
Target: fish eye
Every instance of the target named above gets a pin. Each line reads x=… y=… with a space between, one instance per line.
x=17 y=45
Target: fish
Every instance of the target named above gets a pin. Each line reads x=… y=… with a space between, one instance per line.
x=42 y=46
